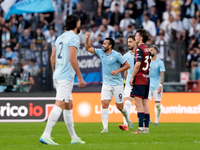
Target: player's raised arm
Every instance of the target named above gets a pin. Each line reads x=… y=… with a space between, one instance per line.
x=53 y=58
x=88 y=47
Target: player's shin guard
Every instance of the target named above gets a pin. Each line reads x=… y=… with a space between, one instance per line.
x=53 y=117
x=140 y=119
x=68 y=118
x=127 y=106
x=146 y=120
x=158 y=110
x=104 y=117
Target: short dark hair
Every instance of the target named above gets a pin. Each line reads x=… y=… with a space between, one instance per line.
x=193 y=37
x=19 y=64
x=105 y=26
x=116 y=4
x=50 y=27
x=93 y=25
x=4 y=26
x=191 y=49
x=129 y=26
x=39 y=27
x=131 y=36
x=99 y=35
x=144 y=34
x=9 y=59
x=71 y=21
x=148 y=15
x=83 y=27
x=111 y=42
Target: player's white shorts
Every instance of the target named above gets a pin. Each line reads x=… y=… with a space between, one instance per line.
x=127 y=91
x=108 y=91
x=63 y=90
x=156 y=96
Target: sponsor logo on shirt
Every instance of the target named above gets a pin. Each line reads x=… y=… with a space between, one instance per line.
x=146 y=50
x=59 y=64
x=145 y=75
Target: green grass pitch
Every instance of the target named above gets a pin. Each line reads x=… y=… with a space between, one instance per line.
x=167 y=136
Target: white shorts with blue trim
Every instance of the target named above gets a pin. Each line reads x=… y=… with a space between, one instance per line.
x=108 y=91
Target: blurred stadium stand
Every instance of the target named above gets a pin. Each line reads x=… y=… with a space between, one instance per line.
x=32 y=36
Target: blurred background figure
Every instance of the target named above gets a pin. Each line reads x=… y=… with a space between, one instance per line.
x=24 y=79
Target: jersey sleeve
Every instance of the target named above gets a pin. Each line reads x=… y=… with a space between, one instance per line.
x=125 y=56
x=98 y=51
x=121 y=59
x=139 y=54
x=74 y=42
x=162 y=66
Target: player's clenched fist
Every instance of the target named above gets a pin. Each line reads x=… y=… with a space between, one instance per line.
x=81 y=83
x=131 y=82
x=87 y=35
x=114 y=72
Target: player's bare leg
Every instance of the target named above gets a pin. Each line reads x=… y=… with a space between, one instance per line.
x=127 y=105
x=125 y=115
x=105 y=115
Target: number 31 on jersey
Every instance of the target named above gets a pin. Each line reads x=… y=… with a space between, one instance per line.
x=147 y=63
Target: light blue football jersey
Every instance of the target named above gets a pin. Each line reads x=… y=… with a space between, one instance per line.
x=63 y=68
x=156 y=67
x=110 y=62
x=130 y=57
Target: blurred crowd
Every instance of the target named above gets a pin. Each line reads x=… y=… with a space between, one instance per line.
x=26 y=37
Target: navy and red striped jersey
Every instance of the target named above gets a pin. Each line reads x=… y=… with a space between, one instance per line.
x=143 y=55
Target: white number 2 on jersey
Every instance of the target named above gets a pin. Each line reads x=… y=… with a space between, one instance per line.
x=147 y=63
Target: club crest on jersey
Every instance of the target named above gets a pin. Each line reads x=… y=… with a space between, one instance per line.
x=76 y=44
x=111 y=58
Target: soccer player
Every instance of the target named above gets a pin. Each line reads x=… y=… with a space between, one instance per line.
x=156 y=75
x=129 y=56
x=112 y=79
x=64 y=64
x=140 y=80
